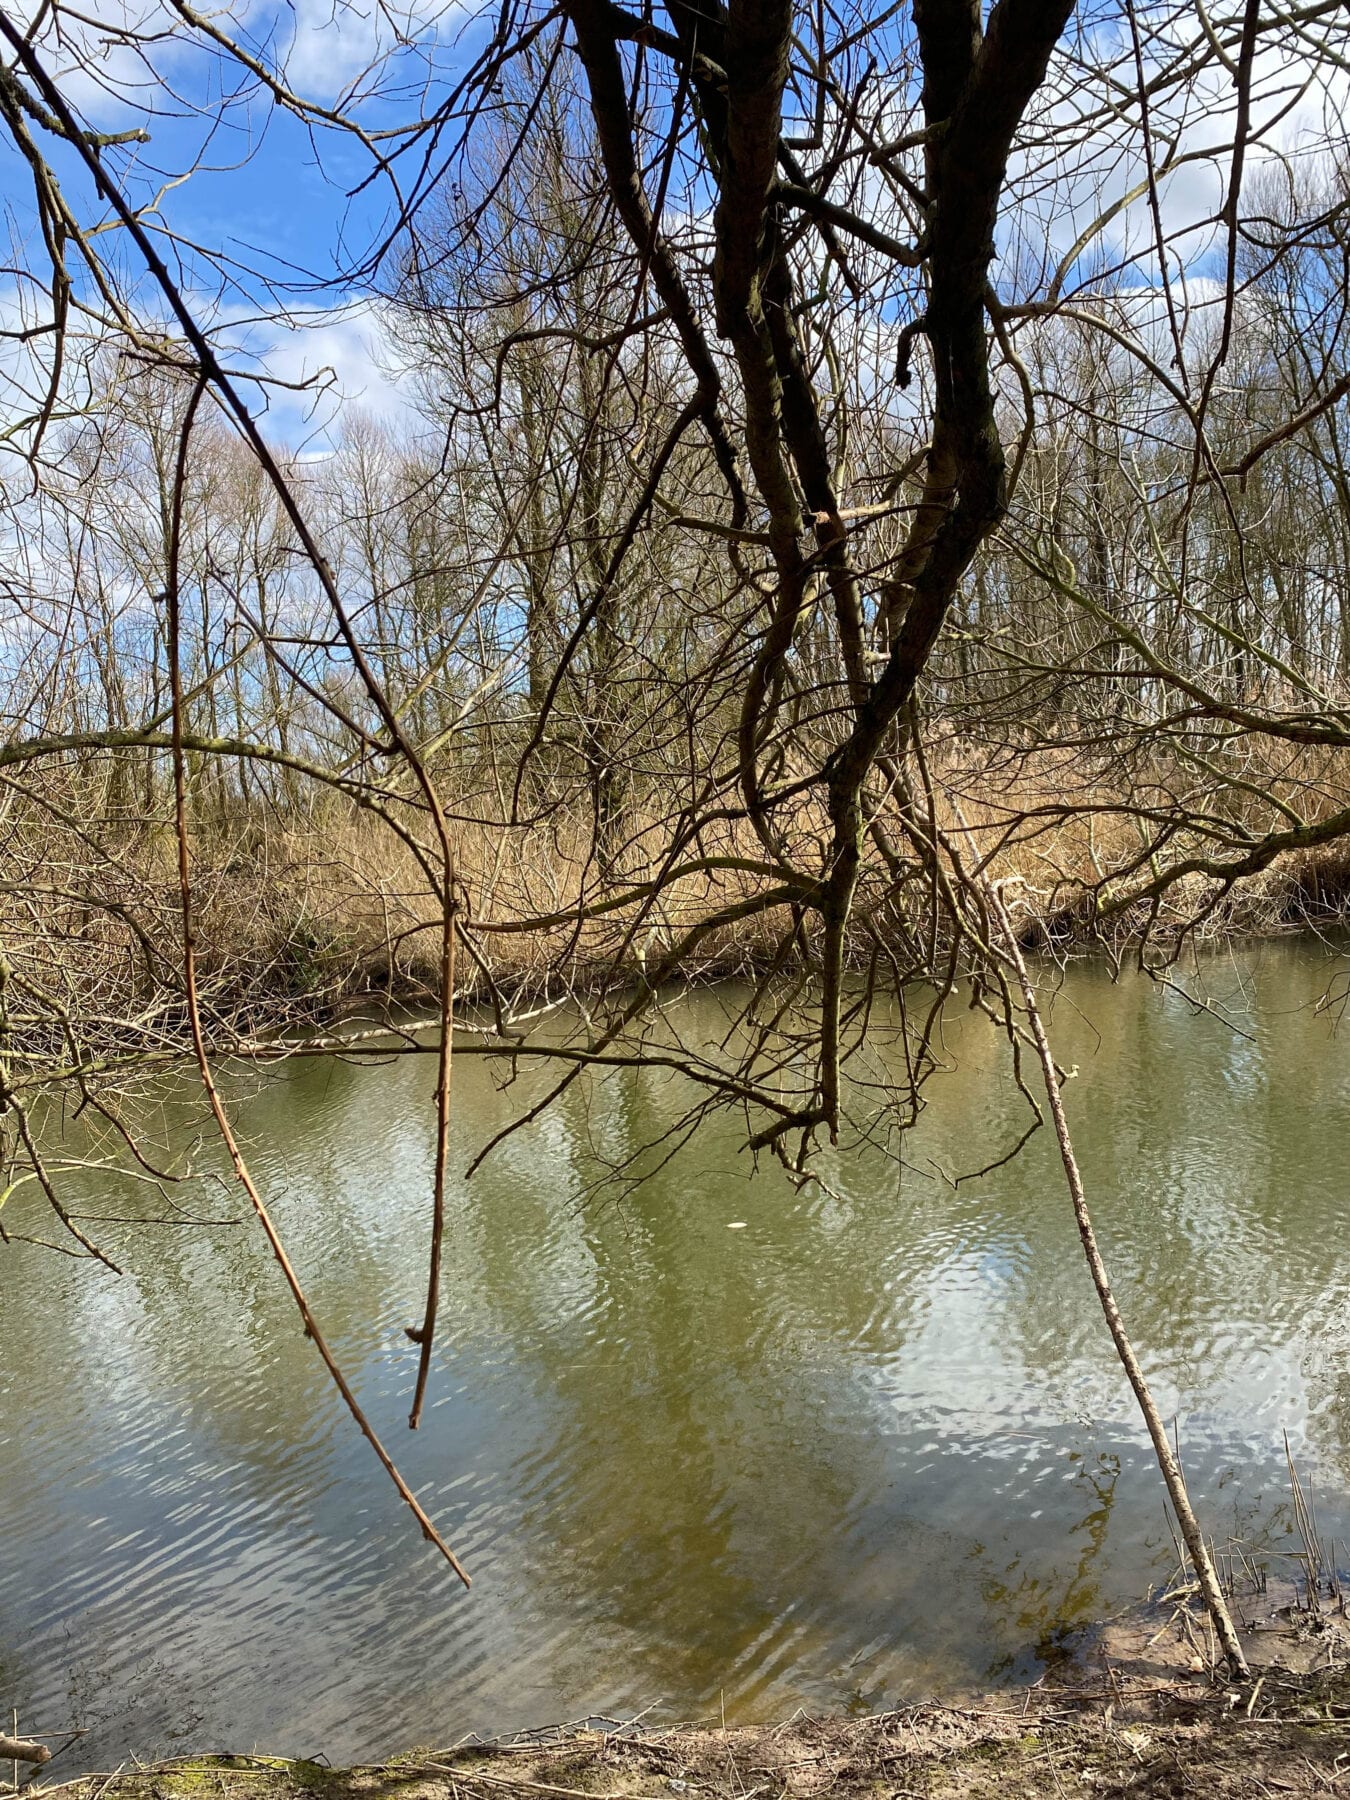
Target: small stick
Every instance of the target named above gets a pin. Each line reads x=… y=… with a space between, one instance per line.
x=470 y=1776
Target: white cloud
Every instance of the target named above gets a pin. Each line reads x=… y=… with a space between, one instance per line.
x=134 y=54
x=316 y=366
x=337 y=47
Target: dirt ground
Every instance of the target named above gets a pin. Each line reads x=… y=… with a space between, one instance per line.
x=1131 y=1708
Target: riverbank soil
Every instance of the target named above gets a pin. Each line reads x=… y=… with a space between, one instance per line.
x=1125 y=1711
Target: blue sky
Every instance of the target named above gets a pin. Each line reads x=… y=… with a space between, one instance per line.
x=264 y=181
x=272 y=198
x=267 y=197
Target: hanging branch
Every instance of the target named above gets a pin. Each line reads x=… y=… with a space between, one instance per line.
x=241 y=1170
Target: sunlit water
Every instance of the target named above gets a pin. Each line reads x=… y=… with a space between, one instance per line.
x=871 y=1446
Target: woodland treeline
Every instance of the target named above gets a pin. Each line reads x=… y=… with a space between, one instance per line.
x=872 y=497
x=1136 y=702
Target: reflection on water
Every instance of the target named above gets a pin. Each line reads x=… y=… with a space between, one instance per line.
x=871 y=1445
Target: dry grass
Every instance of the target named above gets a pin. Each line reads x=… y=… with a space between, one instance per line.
x=1059 y=829
x=298 y=917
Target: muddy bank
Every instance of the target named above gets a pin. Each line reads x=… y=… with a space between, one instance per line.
x=1139 y=1741
x=1130 y=1709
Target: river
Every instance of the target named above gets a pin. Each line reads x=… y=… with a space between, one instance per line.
x=870 y=1445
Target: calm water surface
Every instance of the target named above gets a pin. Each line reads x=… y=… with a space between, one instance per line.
x=870 y=1446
